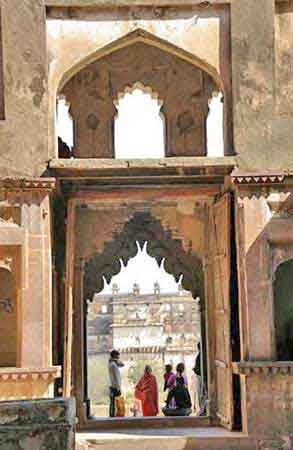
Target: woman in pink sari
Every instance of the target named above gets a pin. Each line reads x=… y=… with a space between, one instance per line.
x=146 y=391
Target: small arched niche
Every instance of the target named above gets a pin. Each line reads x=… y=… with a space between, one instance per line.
x=183 y=83
x=8 y=319
x=283 y=311
x=139 y=124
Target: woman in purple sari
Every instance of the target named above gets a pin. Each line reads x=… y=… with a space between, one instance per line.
x=180 y=368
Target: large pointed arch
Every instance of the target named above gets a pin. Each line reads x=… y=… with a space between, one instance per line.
x=142 y=36
x=143 y=227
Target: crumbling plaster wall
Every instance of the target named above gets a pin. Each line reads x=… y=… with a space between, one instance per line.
x=24 y=132
x=71 y=41
x=262 y=136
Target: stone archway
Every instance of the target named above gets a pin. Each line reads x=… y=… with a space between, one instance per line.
x=141 y=228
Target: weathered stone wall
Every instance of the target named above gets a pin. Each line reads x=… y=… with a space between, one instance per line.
x=270 y=410
x=284 y=59
x=37 y=424
x=262 y=134
x=24 y=132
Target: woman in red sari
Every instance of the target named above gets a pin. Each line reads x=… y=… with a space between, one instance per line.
x=146 y=391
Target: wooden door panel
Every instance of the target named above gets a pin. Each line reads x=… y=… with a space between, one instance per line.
x=220 y=252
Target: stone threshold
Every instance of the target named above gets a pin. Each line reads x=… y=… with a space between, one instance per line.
x=163 y=439
x=134 y=423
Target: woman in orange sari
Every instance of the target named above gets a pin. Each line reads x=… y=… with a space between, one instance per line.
x=146 y=391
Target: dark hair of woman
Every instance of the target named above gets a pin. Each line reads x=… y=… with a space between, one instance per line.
x=180 y=368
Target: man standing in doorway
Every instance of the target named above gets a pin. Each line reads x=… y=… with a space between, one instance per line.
x=114 y=366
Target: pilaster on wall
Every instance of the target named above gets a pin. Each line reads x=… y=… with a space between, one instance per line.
x=25 y=225
x=24 y=132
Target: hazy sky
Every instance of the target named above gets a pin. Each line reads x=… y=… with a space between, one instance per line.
x=139 y=134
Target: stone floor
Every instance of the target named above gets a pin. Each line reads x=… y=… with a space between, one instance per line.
x=163 y=439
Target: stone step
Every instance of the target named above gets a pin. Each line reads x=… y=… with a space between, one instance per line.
x=164 y=439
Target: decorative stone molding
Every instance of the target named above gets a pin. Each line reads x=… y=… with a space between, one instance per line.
x=268 y=368
x=20 y=374
x=27 y=184
x=257 y=178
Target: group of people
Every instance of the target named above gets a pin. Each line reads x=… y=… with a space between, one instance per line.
x=146 y=395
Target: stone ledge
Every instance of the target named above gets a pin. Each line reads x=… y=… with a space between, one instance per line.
x=267 y=368
x=78 y=164
x=15 y=373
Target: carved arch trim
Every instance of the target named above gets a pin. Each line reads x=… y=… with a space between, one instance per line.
x=142 y=36
x=143 y=227
x=138 y=85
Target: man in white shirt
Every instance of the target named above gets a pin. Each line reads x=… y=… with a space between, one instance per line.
x=114 y=366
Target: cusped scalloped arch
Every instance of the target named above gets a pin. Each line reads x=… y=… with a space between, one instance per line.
x=143 y=227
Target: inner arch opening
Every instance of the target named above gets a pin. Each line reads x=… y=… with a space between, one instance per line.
x=145 y=314
x=139 y=124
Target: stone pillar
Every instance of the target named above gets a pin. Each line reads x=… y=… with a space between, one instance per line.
x=36 y=289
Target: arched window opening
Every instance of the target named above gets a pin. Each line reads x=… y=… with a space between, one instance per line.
x=139 y=125
x=283 y=311
x=143 y=329
x=215 y=127
x=65 y=129
x=8 y=320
